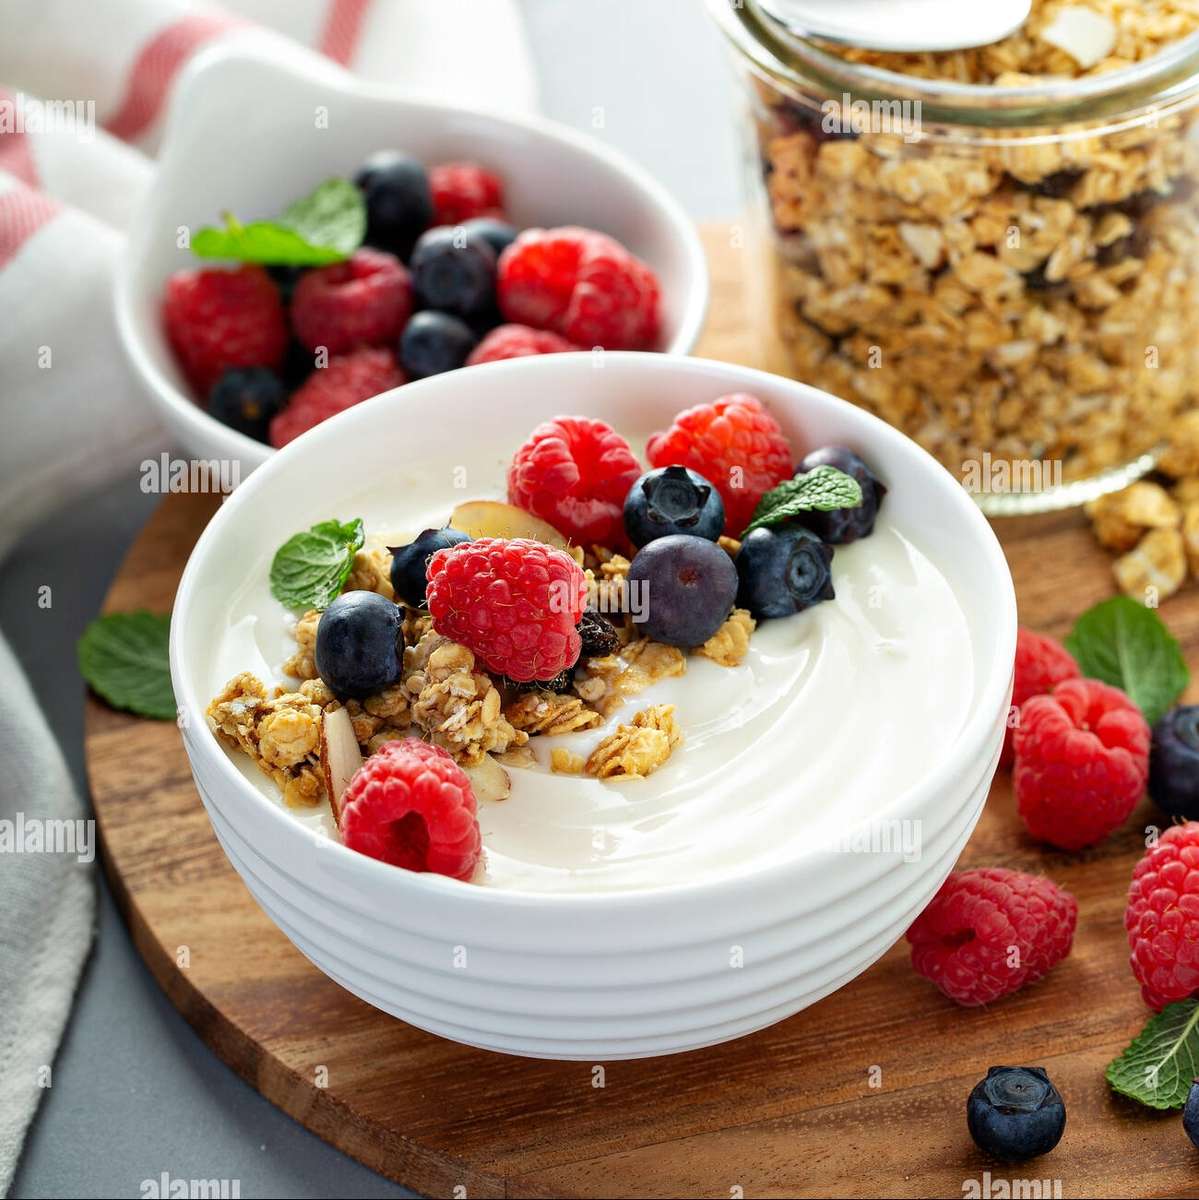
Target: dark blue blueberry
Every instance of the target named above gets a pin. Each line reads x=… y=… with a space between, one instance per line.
x=360 y=644
x=1190 y=1114
x=498 y=234
x=681 y=589
x=1174 y=762
x=409 y=563
x=482 y=323
x=399 y=205
x=433 y=342
x=1015 y=1113
x=246 y=398
x=454 y=271
x=844 y=525
x=783 y=569
x=672 y=500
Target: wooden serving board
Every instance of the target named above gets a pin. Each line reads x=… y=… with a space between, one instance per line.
x=863 y=1094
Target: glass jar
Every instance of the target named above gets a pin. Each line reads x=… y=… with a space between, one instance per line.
x=1010 y=275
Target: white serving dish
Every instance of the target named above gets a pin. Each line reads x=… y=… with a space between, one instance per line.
x=242 y=135
x=588 y=976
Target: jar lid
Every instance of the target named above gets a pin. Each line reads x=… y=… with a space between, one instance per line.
x=795 y=61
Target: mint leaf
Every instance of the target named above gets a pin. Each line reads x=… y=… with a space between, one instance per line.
x=324 y=227
x=1162 y=1061
x=311 y=568
x=124 y=658
x=1125 y=644
x=821 y=489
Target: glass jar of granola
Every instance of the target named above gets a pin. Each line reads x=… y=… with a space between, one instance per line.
x=995 y=249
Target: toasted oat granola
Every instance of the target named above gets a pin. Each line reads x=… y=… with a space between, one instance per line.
x=605 y=683
x=371 y=572
x=550 y=713
x=638 y=749
x=1156 y=568
x=302 y=664
x=566 y=762
x=729 y=644
x=1120 y=519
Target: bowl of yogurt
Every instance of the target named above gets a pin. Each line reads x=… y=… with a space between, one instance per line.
x=821 y=789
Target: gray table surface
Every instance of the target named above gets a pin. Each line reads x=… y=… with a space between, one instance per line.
x=135 y=1092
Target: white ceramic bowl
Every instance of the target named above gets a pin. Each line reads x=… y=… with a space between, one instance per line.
x=241 y=135
x=588 y=976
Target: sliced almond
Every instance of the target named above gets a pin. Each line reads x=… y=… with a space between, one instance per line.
x=1085 y=35
x=489 y=781
x=340 y=757
x=493 y=518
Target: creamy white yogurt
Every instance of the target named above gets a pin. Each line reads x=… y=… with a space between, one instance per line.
x=833 y=712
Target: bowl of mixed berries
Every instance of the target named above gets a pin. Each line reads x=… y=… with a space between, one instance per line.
x=289 y=270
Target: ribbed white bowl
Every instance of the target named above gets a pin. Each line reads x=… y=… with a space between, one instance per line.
x=589 y=976
x=241 y=136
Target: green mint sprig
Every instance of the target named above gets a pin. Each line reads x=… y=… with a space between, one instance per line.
x=326 y=226
x=1162 y=1061
x=822 y=489
x=124 y=658
x=1125 y=644
x=311 y=568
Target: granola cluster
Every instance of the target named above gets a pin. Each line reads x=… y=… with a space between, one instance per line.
x=1030 y=297
x=638 y=749
x=1153 y=525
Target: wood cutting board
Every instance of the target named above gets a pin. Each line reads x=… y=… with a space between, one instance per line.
x=790 y=1111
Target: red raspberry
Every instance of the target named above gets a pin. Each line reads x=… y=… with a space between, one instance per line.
x=1082 y=760
x=462 y=190
x=1041 y=664
x=990 y=931
x=575 y=473
x=346 y=381
x=412 y=806
x=735 y=444
x=1162 y=917
x=515 y=603
x=581 y=284
x=216 y=319
x=517 y=341
x=364 y=301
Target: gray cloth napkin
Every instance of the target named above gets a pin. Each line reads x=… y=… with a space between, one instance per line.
x=47 y=904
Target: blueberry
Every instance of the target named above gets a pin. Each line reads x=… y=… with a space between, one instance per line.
x=672 y=500
x=1190 y=1114
x=598 y=635
x=246 y=398
x=844 y=525
x=681 y=589
x=399 y=205
x=409 y=563
x=433 y=342
x=783 y=569
x=1015 y=1113
x=1174 y=762
x=360 y=644
x=498 y=234
x=454 y=271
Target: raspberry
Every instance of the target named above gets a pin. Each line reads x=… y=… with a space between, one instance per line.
x=575 y=473
x=1162 y=917
x=412 y=806
x=735 y=444
x=581 y=284
x=218 y=319
x=1082 y=760
x=346 y=381
x=363 y=301
x=990 y=931
x=1041 y=664
x=515 y=603
x=517 y=341
x=462 y=190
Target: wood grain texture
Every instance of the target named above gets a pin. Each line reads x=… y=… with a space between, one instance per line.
x=790 y=1111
